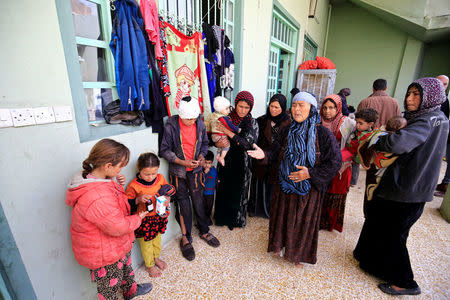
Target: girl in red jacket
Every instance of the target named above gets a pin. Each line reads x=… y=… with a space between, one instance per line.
x=102 y=227
x=142 y=193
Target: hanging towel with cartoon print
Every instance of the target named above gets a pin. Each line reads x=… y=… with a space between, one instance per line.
x=186 y=69
x=130 y=56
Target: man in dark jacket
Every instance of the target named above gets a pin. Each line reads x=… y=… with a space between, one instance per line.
x=184 y=146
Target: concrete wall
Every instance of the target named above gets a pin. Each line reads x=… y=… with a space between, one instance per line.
x=257 y=17
x=365 y=48
x=436 y=59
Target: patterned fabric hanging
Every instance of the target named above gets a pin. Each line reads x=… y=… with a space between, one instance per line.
x=186 y=69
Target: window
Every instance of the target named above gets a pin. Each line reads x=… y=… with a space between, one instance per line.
x=92 y=26
x=85 y=27
x=283 y=48
x=309 y=49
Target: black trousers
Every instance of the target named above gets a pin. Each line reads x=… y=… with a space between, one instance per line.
x=381 y=248
x=209 y=203
x=190 y=190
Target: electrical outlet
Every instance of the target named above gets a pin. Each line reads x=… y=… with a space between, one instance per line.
x=22 y=117
x=5 y=118
x=62 y=113
x=43 y=115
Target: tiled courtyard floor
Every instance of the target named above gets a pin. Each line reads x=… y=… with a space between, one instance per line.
x=242 y=269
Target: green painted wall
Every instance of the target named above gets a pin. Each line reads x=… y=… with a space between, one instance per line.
x=365 y=48
x=436 y=59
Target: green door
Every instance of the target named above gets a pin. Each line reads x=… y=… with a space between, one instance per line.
x=274 y=61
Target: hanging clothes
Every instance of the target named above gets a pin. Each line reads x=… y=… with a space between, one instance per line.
x=210 y=75
x=162 y=63
x=150 y=16
x=211 y=41
x=219 y=34
x=130 y=55
x=228 y=81
x=154 y=116
x=186 y=69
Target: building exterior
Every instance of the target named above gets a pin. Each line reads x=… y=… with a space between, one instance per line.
x=41 y=68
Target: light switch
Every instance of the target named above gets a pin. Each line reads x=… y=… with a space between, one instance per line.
x=62 y=113
x=5 y=118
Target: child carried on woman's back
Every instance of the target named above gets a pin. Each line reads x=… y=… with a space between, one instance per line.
x=222 y=110
x=144 y=193
x=359 y=148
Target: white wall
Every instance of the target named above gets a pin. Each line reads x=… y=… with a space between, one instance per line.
x=38 y=161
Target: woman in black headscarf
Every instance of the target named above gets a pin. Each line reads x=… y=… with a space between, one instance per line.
x=263 y=176
x=232 y=189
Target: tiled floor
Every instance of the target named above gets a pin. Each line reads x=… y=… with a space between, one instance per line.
x=242 y=269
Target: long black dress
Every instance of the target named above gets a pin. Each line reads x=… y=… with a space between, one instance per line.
x=263 y=176
x=234 y=179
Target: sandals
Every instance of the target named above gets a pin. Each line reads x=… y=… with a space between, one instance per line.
x=187 y=251
x=388 y=289
x=211 y=240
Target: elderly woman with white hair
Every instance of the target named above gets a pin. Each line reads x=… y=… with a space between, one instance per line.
x=307 y=156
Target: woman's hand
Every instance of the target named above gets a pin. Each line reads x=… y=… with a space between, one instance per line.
x=258 y=153
x=222 y=142
x=300 y=175
x=143 y=199
x=225 y=130
x=121 y=179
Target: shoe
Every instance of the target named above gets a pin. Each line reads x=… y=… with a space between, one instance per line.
x=187 y=251
x=442 y=187
x=388 y=289
x=142 y=289
x=211 y=240
x=189 y=238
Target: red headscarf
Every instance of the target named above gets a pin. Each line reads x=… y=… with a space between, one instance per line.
x=334 y=123
x=248 y=98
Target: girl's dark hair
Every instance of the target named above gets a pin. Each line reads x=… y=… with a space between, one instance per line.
x=106 y=151
x=367 y=114
x=147 y=160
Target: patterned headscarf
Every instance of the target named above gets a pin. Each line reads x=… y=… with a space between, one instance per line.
x=281 y=99
x=334 y=123
x=248 y=98
x=300 y=150
x=432 y=95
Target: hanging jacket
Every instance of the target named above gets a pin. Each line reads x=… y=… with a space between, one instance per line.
x=102 y=229
x=130 y=55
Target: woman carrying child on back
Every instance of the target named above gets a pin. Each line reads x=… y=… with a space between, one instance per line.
x=143 y=193
x=102 y=227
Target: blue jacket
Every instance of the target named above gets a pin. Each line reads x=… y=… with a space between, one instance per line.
x=130 y=55
x=413 y=176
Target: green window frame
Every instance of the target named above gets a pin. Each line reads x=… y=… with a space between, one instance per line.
x=283 y=46
x=88 y=131
x=309 y=49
